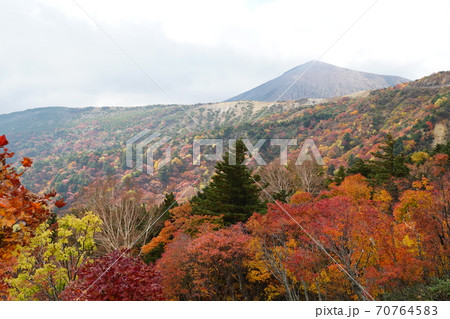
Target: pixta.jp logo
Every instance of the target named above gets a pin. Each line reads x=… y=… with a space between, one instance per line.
x=142 y=147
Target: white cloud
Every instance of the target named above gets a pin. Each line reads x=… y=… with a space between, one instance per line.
x=202 y=50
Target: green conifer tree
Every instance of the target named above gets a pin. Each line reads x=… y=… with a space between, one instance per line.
x=388 y=165
x=340 y=175
x=360 y=166
x=168 y=203
x=232 y=192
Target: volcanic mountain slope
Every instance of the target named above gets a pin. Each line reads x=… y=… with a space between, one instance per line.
x=71 y=148
x=317 y=80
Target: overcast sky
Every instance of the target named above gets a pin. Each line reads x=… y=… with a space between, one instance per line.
x=52 y=54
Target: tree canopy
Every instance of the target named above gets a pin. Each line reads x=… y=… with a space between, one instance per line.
x=233 y=191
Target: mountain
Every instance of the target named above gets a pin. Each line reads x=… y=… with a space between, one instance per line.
x=317 y=80
x=71 y=148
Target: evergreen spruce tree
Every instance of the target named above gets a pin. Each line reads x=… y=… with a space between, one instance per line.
x=169 y=202
x=165 y=207
x=340 y=175
x=359 y=166
x=232 y=191
x=283 y=195
x=388 y=165
x=441 y=148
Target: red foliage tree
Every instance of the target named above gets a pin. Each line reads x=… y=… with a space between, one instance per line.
x=21 y=211
x=208 y=267
x=182 y=220
x=347 y=225
x=115 y=276
x=175 y=273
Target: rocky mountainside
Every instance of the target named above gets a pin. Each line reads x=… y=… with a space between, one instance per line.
x=317 y=80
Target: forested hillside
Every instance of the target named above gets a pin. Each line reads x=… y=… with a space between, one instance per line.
x=373 y=223
x=73 y=147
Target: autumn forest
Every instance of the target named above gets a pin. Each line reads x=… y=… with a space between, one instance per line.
x=373 y=223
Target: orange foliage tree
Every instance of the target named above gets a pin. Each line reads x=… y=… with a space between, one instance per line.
x=181 y=220
x=21 y=211
x=292 y=240
x=208 y=267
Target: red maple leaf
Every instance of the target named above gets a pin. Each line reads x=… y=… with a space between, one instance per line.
x=26 y=162
x=3 y=141
x=60 y=203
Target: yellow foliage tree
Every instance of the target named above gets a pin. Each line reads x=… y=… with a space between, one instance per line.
x=53 y=257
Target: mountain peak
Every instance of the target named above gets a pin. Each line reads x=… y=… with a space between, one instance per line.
x=311 y=65
x=316 y=79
